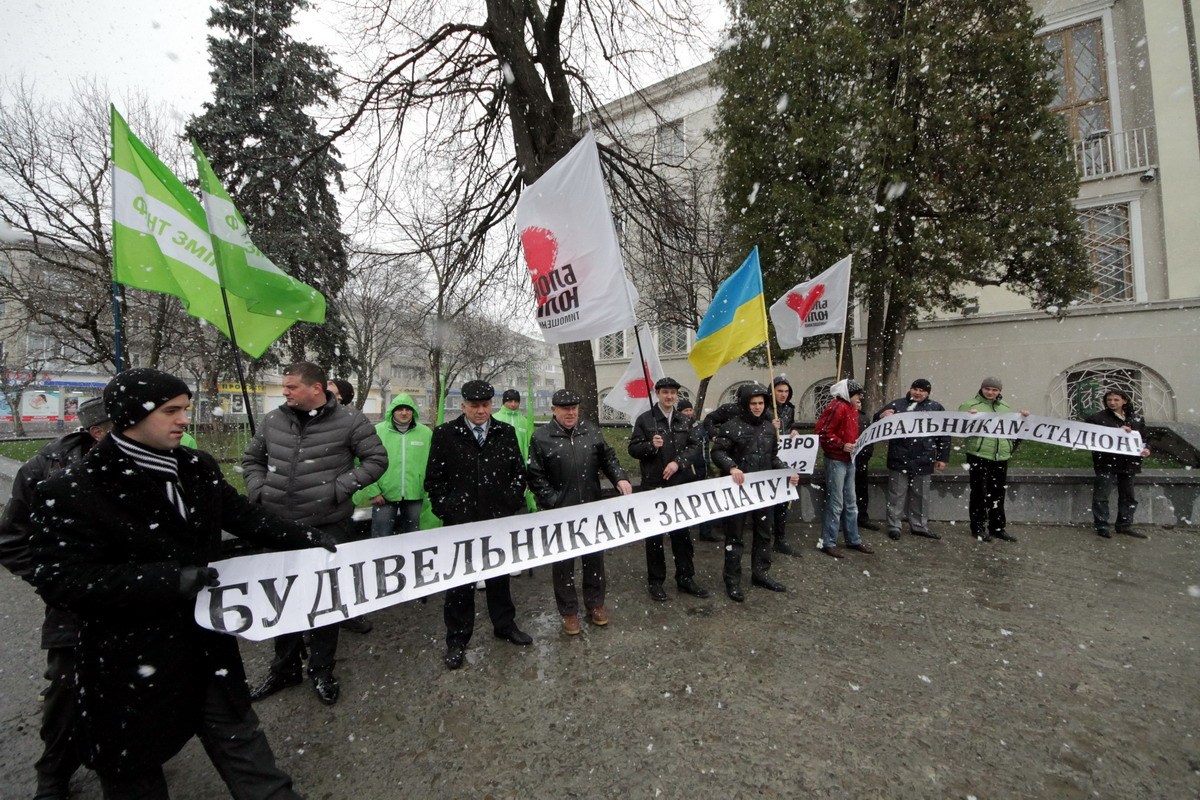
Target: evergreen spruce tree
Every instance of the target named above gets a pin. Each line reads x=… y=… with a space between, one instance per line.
x=914 y=134
x=256 y=131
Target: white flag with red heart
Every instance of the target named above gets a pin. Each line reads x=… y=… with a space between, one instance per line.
x=813 y=307
x=571 y=250
x=634 y=393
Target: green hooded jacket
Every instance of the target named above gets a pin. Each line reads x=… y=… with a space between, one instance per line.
x=520 y=420
x=983 y=447
x=407 y=455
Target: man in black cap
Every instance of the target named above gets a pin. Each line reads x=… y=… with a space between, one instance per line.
x=60 y=630
x=308 y=458
x=475 y=473
x=665 y=443
x=123 y=540
x=911 y=464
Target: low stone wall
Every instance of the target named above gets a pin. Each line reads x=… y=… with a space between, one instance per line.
x=1167 y=498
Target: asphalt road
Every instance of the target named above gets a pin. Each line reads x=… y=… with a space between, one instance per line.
x=1063 y=666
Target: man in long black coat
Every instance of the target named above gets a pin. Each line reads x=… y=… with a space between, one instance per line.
x=124 y=539
x=475 y=473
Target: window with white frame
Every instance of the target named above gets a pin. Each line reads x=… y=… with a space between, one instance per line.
x=1078 y=391
x=611 y=346
x=1106 y=237
x=672 y=340
x=670 y=142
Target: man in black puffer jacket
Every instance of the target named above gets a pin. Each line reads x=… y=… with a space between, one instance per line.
x=301 y=466
x=665 y=443
x=747 y=443
x=911 y=464
x=566 y=457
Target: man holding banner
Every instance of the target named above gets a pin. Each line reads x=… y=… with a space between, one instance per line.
x=124 y=540
x=476 y=473
x=911 y=463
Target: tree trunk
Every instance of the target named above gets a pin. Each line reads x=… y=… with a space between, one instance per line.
x=579 y=375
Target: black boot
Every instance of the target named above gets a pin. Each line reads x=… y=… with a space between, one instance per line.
x=765 y=581
x=734 y=590
x=781 y=546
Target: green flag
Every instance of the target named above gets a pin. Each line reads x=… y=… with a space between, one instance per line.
x=161 y=243
x=245 y=271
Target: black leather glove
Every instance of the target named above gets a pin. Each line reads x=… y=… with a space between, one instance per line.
x=193 y=579
x=326 y=540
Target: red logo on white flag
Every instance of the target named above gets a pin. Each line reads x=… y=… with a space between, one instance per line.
x=541 y=250
x=817 y=306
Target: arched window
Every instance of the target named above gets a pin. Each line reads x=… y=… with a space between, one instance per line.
x=813 y=401
x=730 y=394
x=1078 y=391
x=608 y=413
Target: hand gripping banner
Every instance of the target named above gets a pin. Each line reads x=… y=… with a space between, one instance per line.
x=1048 y=430
x=267 y=595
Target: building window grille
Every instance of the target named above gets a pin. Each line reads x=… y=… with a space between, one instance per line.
x=612 y=346
x=1106 y=238
x=813 y=401
x=1078 y=391
x=672 y=340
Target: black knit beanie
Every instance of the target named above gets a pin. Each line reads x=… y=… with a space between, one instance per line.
x=131 y=396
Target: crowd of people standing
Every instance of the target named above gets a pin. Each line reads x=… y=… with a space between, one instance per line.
x=117 y=524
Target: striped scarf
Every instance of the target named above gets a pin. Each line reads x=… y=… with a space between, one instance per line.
x=158 y=463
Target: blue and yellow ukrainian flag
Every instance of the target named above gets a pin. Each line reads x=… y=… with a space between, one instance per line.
x=735 y=322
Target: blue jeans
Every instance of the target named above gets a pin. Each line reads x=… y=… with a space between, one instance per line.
x=841 y=505
x=402 y=516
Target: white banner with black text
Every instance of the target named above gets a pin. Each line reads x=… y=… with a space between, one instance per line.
x=1048 y=430
x=266 y=595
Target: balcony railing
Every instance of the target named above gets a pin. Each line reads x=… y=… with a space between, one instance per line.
x=1106 y=153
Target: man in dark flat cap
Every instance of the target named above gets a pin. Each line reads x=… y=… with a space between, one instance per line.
x=476 y=473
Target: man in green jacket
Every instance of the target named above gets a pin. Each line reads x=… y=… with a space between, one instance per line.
x=988 y=461
x=397 y=497
x=510 y=412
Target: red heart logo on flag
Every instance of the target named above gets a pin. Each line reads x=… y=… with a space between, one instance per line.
x=802 y=304
x=640 y=388
x=541 y=250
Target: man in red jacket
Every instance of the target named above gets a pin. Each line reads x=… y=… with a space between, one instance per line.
x=838 y=429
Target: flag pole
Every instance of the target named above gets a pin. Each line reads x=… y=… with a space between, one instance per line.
x=762 y=298
x=642 y=371
x=116 y=291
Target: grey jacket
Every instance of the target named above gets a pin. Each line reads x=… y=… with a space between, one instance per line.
x=308 y=473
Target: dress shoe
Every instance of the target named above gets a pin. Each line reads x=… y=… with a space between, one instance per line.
x=571 y=624
x=834 y=550
x=689 y=586
x=1132 y=532
x=1103 y=532
x=274 y=682
x=357 y=625
x=927 y=534
x=862 y=547
x=893 y=533
x=1004 y=535
x=767 y=582
x=455 y=655
x=781 y=546
x=735 y=593
x=868 y=524
x=983 y=537
x=656 y=591
x=598 y=616
x=327 y=688
x=516 y=636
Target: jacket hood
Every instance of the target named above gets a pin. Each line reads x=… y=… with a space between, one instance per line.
x=780 y=380
x=841 y=389
x=750 y=390
x=403 y=399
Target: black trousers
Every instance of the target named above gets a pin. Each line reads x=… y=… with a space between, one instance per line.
x=236 y=746
x=681 y=550
x=563 y=575
x=59 y=758
x=989 y=482
x=760 y=551
x=862 y=487
x=1126 y=501
x=779 y=516
x=459 y=610
x=321 y=642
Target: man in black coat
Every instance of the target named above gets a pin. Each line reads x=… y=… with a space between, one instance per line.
x=123 y=539
x=60 y=630
x=566 y=457
x=665 y=443
x=747 y=443
x=911 y=463
x=476 y=473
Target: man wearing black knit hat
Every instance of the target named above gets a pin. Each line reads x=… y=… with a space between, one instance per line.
x=124 y=539
x=911 y=464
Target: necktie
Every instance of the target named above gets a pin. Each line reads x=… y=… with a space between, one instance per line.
x=479 y=434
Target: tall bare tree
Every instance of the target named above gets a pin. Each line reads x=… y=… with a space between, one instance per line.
x=375 y=307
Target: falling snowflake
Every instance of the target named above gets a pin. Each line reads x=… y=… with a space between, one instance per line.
x=924 y=679
x=145 y=670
